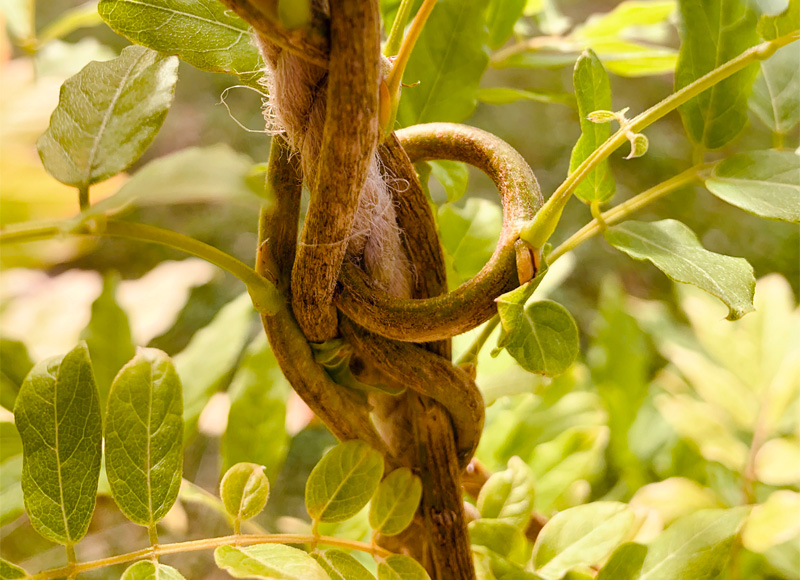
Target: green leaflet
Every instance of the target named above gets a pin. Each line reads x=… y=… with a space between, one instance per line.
x=395 y=502
x=11 y=501
x=342 y=566
x=58 y=416
x=771 y=27
x=674 y=249
x=144 y=428
x=501 y=537
x=244 y=490
x=713 y=32
x=765 y=183
x=401 y=568
x=9 y=571
x=625 y=563
x=774 y=522
x=506 y=95
x=343 y=481
x=16 y=363
x=268 y=561
x=500 y=18
x=448 y=62
x=469 y=236
x=150 y=570
x=508 y=495
x=593 y=93
x=775 y=90
x=581 y=536
x=695 y=547
x=107 y=115
x=204 y=33
x=453 y=176
x=108 y=336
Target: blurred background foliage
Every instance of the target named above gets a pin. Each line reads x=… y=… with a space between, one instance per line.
x=670 y=408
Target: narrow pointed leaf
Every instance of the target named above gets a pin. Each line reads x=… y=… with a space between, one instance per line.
x=268 y=561
x=593 y=93
x=542 y=338
x=144 y=428
x=107 y=115
x=9 y=571
x=695 y=547
x=343 y=481
x=395 y=502
x=342 y=566
x=16 y=364
x=580 y=536
x=448 y=62
x=508 y=494
x=775 y=90
x=150 y=570
x=58 y=416
x=713 y=32
x=244 y=490
x=674 y=249
x=203 y=33
x=765 y=183
x=401 y=568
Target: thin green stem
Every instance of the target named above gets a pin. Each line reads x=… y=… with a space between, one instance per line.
x=621 y=211
x=470 y=356
x=540 y=229
x=266 y=297
x=399 y=66
x=152 y=534
x=208 y=544
x=71 y=557
x=398 y=28
x=83 y=197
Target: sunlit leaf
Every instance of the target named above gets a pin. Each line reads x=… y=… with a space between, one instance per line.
x=453 y=176
x=774 y=522
x=269 y=562
x=343 y=481
x=469 y=235
x=580 y=536
x=11 y=500
x=771 y=27
x=765 y=183
x=16 y=365
x=778 y=461
x=244 y=490
x=151 y=570
x=500 y=18
x=340 y=565
x=501 y=537
x=107 y=116
x=58 y=416
x=9 y=571
x=506 y=95
x=203 y=33
x=713 y=32
x=508 y=495
x=398 y=567
x=448 y=62
x=674 y=498
x=625 y=563
x=82 y=16
x=674 y=249
x=395 y=502
x=143 y=438
x=775 y=90
x=593 y=92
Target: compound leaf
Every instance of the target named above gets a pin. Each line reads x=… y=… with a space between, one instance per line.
x=508 y=495
x=144 y=429
x=107 y=115
x=395 y=502
x=244 y=490
x=674 y=249
x=58 y=417
x=268 y=561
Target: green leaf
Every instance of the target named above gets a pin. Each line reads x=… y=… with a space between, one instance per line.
x=778 y=460
x=448 y=62
x=774 y=522
x=506 y=95
x=695 y=547
x=268 y=561
x=108 y=336
x=193 y=175
x=398 y=567
x=581 y=536
x=107 y=115
x=244 y=490
x=58 y=416
x=774 y=99
x=674 y=498
x=501 y=537
x=469 y=235
x=150 y=570
x=772 y=27
x=625 y=15
x=713 y=32
x=9 y=571
x=204 y=33
x=256 y=429
x=395 y=502
x=16 y=364
x=593 y=93
x=12 y=503
x=500 y=18
x=765 y=183
x=453 y=176
x=508 y=495
x=144 y=429
x=542 y=338
x=674 y=249
x=340 y=565
x=625 y=563
x=207 y=361
x=343 y=481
